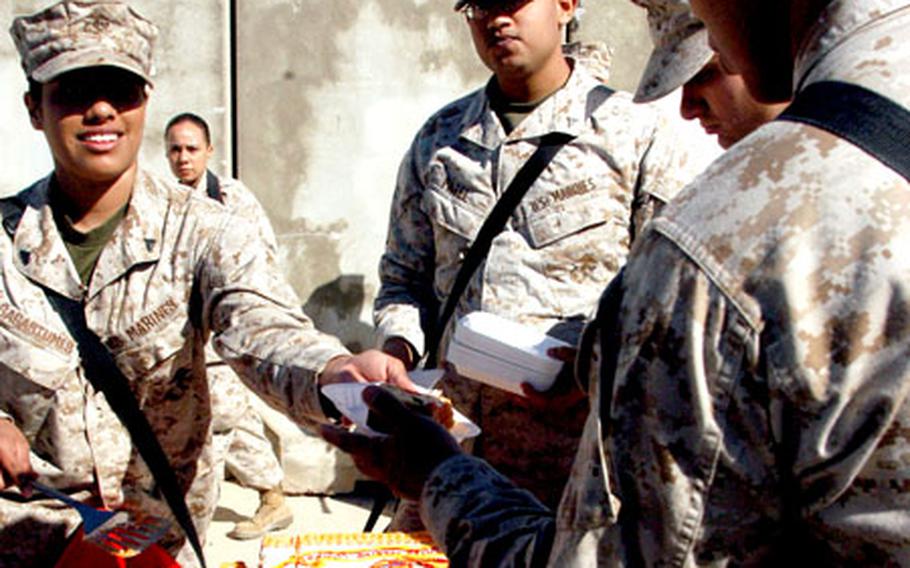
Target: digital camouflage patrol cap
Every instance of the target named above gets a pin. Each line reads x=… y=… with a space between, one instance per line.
x=72 y=35
x=680 y=48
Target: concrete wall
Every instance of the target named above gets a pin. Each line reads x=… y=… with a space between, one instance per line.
x=623 y=26
x=329 y=95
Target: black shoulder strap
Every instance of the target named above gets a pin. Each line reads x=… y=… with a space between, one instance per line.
x=104 y=374
x=868 y=120
x=213 y=186
x=492 y=226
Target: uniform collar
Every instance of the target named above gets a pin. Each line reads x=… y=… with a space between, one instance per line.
x=565 y=111
x=38 y=249
x=41 y=255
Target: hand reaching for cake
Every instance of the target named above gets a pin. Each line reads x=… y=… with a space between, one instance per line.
x=413 y=446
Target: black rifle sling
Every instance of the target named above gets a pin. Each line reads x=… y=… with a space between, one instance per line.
x=864 y=118
x=102 y=371
x=492 y=226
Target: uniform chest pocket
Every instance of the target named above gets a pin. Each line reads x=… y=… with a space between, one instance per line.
x=159 y=351
x=573 y=209
x=452 y=215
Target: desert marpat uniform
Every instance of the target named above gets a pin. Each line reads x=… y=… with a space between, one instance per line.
x=239 y=441
x=596 y=57
x=760 y=411
x=178 y=268
x=566 y=240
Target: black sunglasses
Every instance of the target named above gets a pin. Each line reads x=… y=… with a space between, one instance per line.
x=482 y=9
x=82 y=88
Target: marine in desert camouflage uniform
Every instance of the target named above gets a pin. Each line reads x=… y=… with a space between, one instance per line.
x=567 y=239
x=178 y=269
x=240 y=441
x=759 y=409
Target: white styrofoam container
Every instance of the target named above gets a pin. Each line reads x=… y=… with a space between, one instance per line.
x=503 y=353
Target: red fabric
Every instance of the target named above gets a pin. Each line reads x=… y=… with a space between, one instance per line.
x=80 y=553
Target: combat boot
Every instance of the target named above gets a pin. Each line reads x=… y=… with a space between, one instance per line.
x=273 y=514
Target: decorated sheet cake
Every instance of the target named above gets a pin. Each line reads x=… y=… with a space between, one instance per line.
x=355 y=550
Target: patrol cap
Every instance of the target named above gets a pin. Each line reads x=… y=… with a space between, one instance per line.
x=680 y=48
x=72 y=35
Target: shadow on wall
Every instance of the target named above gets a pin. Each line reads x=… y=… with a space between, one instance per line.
x=335 y=308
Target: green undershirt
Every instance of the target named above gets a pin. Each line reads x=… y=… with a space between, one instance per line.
x=510 y=113
x=85 y=248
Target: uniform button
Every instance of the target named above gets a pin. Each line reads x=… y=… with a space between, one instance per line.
x=461 y=255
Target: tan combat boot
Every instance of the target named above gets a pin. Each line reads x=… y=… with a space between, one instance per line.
x=273 y=514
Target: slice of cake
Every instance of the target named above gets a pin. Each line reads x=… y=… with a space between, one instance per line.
x=431 y=404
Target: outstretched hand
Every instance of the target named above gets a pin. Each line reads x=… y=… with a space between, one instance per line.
x=405 y=455
x=15 y=467
x=371 y=366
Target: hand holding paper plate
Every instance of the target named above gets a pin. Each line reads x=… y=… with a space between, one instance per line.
x=348 y=399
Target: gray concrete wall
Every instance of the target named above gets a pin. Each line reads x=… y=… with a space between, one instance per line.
x=329 y=97
x=623 y=26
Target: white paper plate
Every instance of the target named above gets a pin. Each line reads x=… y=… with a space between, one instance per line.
x=348 y=398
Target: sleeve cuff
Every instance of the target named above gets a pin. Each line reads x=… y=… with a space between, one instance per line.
x=450 y=487
x=320 y=408
x=413 y=336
